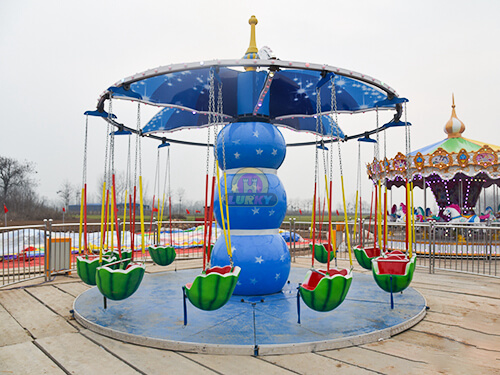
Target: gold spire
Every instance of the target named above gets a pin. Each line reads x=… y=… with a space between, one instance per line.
x=252 y=51
x=252 y=48
x=454 y=127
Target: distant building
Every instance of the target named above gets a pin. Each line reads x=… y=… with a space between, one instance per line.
x=95 y=208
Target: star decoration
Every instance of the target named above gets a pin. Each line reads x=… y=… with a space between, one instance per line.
x=236 y=155
x=275 y=152
x=238 y=283
x=277 y=276
x=237 y=141
x=282 y=257
x=234 y=189
x=259 y=151
x=255 y=210
x=253 y=281
x=233 y=249
x=271 y=213
x=259 y=259
x=256 y=134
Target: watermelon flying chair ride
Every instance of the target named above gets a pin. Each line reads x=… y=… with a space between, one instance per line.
x=242 y=103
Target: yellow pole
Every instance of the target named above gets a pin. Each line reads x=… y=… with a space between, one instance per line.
x=230 y=250
x=385 y=219
x=142 y=216
x=221 y=207
x=346 y=223
x=112 y=221
x=103 y=207
x=124 y=217
x=161 y=214
x=108 y=225
x=408 y=218
x=356 y=214
x=81 y=224
x=412 y=219
x=331 y=225
x=379 y=215
x=312 y=218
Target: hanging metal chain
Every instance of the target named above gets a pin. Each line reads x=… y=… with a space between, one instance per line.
x=217 y=122
x=127 y=175
x=358 y=182
x=167 y=171
x=408 y=145
x=168 y=166
x=106 y=161
x=137 y=142
x=156 y=185
x=377 y=138
x=219 y=113
x=220 y=105
x=112 y=152
x=334 y=94
x=318 y=111
x=85 y=145
x=333 y=107
x=211 y=114
x=325 y=161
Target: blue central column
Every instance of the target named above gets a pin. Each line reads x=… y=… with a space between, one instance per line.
x=253 y=151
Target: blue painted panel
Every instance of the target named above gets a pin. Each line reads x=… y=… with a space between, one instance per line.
x=251 y=144
x=264 y=261
x=256 y=200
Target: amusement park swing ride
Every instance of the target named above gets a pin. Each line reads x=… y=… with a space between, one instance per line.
x=242 y=103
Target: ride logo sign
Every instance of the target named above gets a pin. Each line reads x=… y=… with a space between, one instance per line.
x=250 y=187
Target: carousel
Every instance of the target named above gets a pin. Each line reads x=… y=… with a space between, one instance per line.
x=456 y=169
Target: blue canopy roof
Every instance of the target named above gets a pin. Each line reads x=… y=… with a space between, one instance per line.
x=284 y=97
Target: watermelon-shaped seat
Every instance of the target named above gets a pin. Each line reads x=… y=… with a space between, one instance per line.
x=364 y=255
x=126 y=257
x=321 y=252
x=162 y=255
x=118 y=284
x=394 y=271
x=86 y=268
x=325 y=290
x=211 y=290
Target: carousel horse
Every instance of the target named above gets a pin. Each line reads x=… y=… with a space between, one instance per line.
x=488 y=215
x=401 y=213
x=420 y=215
x=392 y=216
x=454 y=212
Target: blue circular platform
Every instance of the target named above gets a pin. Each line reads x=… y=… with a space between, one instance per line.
x=265 y=325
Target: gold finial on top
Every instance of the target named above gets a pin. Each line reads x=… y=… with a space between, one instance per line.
x=454 y=127
x=252 y=48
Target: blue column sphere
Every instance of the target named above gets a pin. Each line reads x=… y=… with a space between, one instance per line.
x=250 y=153
x=251 y=144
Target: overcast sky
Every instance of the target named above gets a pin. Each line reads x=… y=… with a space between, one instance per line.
x=56 y=57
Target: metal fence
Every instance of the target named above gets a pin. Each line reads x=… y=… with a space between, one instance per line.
x=23 y=252
x=458 y=247
x=455 y=247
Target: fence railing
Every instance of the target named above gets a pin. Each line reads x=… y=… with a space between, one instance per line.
x=23 y=252
x=458 y=247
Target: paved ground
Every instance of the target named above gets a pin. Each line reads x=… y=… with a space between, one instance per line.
x=459 y=335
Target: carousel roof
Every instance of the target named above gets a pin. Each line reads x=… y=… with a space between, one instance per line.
x=454 y=142
x=446 y=158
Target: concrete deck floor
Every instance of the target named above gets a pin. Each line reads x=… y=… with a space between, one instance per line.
x=459 y=335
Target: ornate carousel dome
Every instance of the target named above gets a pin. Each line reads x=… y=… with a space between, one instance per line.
x=455 y=168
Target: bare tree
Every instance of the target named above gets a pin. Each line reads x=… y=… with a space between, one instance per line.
x=14 y=174
x=66 y=191
x=180 y=195
x=120 y=186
